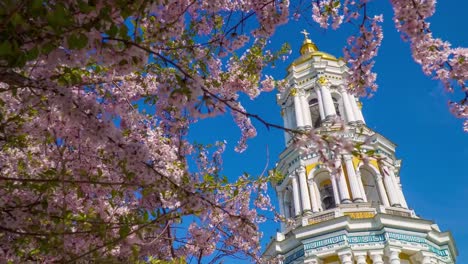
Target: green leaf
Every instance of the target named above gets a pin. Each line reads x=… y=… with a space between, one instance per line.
x=17 y=19
x=59 y=17
x=124 y=231
x=77 y=41
x=113 y=30
x=6 y=48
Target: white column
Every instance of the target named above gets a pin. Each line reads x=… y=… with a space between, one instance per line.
x=392 y=194
x=286 y=124
x=313 y=260
x=291 y=117
x=281 y=207
x=376 y=256
x=287 y=212
x=347 y=107
x=424 y=257
x=343 y=187
x=360 y=257
x=357 y=112
x=297 y=202
x=401 y=197
x=361 y=186
x=305 y=198
x=381 y=189
x=320 y=104
x=353 y=183
x=426 y=260
x=313 y=196
x=328 y=106
x=287 y=114
x=305 y=109
x=346 y=257
x=393 y=255
x=317 y=195
x=298 y=111
x=335 y=190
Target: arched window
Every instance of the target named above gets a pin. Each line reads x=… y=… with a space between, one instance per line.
x=326 y=195
x=315 y=112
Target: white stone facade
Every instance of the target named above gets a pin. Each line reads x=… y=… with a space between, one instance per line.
x=358 y=215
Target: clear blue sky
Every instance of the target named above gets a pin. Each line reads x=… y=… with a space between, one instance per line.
x=409 y=108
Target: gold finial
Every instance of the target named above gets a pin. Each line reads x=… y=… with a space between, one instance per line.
x=307 y=46
x=306 y=34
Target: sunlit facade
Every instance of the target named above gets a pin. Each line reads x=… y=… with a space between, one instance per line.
x=360 y=214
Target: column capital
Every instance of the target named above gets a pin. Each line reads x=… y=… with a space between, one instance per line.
x=393 y=254
x=346 y=256
x=376 y=256
x=300 y=169
x=393 y=249
x=376 y=252
x=423 y=257
x=313 y=260
x=360 y=257
x=322 y=81
x=344 y=252
x=360 y=253
x=347 y=156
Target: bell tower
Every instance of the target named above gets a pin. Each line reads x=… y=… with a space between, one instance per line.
x=355 y=212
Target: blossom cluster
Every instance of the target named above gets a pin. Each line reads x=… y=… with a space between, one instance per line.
x=96 y=102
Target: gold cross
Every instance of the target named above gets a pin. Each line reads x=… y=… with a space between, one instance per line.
x=306 y=34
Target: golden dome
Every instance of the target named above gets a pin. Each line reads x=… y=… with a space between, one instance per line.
x=309 y=50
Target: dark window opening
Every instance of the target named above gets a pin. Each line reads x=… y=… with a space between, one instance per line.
x=337 y=106
x=328 y=199
x=315 y=113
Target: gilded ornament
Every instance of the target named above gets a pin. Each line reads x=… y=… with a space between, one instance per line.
x=359 y=105
x=293 y=92
x=360 y=215
x=322 y=80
